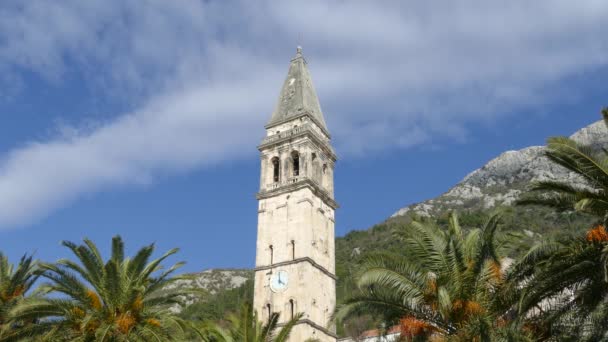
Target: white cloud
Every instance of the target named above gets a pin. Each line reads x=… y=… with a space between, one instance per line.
x=203 y=77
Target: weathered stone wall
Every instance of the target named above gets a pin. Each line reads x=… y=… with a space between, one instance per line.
x=296 y=218
x=311 y=290
x=315 y=163
x=303 y=218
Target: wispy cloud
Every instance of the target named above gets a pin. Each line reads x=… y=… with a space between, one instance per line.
x=203 y=77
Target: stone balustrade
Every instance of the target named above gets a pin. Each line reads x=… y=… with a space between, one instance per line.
x=307 y=127
x=288 y=181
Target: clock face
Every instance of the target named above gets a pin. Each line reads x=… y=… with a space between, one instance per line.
x=279 y=281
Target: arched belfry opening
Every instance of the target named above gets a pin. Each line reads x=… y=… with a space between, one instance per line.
x=276 y=169
x=295 y=156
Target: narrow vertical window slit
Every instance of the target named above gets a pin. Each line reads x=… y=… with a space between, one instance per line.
x=268 y=310
x=271 y=254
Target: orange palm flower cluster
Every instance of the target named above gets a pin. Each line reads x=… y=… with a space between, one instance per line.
x=94 y=299
x=153 y=321
x=430 y=293
x=125 y=322
x=138 y=303
x=6 y=296
x=496 y=270
x=78 y=312
x=597 y=234
x=468 y=307
x=411 y=327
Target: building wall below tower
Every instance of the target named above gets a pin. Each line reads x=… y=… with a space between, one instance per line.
x=296 y=224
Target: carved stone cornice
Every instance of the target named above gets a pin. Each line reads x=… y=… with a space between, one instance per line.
x=297 y=261
x=295 y=117
x=301 y=182
x=297 y=132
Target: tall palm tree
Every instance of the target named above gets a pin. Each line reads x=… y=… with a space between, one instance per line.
x=246 y=327
x=566 y=280
x=122 y=299
x=14 y=284
x=443 y=285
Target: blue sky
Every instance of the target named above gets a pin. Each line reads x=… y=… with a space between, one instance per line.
x=118 y=118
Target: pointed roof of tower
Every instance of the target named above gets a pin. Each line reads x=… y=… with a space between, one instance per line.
x=298 y=95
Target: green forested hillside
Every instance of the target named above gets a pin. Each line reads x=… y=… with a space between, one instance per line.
x=527 y=223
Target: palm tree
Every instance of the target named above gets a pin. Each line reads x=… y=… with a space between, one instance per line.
x=590 y=195
x=246 y=327
x=565 y=281
x=444 y=284
x=565 y=290
x=14 y=284
x=122 y=299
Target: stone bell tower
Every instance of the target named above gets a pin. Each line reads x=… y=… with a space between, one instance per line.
x=295 y=256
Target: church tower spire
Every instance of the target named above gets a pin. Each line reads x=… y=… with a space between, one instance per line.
x=295 y=251
x=298 y=96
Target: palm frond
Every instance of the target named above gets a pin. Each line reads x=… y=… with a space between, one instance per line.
x=578 y=159
x=106 y=301
x=285 y=331
x=118 y=250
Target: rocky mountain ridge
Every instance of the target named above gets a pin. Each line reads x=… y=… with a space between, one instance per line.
x=215 y=280
x=502 y=180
